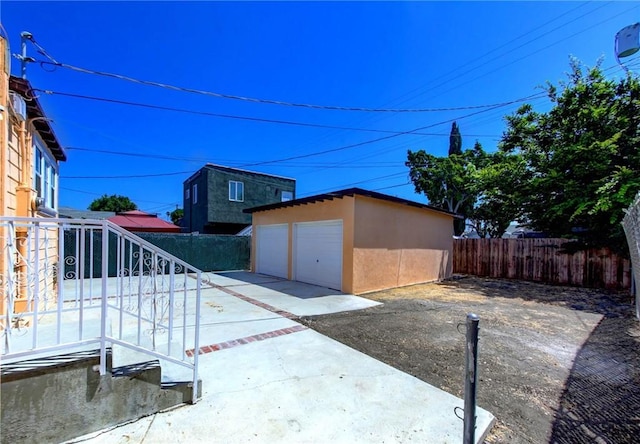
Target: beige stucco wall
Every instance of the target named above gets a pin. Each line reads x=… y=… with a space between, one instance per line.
x=336 y=209
x=397 y=245
x=385 y=244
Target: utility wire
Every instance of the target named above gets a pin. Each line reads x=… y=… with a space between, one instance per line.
x=530 y=54
x=379 y=139
x=228 y=162
x=393 y=186
x=53 y=62
x=373 y=179
x=465 y=70
x=466 y=66
x=317 y=153
x=102 y=194
x=266 y=101
x=132 y=176
x=231 y=116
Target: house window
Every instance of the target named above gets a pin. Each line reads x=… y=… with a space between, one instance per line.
x=186 y=193
x=45 y=177
x=287 y=196
x=195 y=193
x=236 y=191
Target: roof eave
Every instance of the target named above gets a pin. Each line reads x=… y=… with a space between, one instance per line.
x=348 y=192
x=38 y=117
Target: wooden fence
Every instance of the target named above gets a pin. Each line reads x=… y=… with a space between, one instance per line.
x=541 y=260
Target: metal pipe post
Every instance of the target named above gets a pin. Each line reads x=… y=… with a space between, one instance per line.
x=470 y=379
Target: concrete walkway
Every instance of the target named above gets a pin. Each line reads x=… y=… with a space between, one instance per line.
x=268 y=379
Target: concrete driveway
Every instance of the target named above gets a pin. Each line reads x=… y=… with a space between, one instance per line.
x=269 y=379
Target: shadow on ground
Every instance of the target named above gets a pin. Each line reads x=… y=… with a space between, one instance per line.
x=600 y=401
x=291 y=288
x=558 y=364
x=600 y=301
x=601 y=398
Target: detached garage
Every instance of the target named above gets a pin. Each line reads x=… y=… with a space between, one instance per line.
x=352 y=240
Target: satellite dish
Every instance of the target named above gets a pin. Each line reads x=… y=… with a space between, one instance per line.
x=628 y=41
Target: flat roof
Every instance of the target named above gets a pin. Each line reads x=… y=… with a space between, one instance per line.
x=348 y=192
x=214 y=166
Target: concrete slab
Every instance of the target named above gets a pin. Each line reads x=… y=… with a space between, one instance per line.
x=304 y=387
x=268 y=379
x=294 y=297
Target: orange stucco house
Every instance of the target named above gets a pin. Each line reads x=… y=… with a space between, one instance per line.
x=353 y=240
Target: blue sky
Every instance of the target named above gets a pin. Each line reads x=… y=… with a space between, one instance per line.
x=393 y=55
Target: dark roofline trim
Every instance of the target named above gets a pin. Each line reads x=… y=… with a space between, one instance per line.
x=349 y=192
x=43 y=127
x=213 y=166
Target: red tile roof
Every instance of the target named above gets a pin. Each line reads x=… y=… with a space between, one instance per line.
x=141 y=221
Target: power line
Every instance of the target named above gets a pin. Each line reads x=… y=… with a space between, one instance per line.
x=373 y=179
x=317 y=153
x=458 y=69
x=465 y=67
x=228 y=162
x=145 y=155
x=379 y=139
x=102 y=194
x=466 y=71
x=393 y=186
x=53 y=62
x=530 y=54
x=231 y=116
x=132 y=176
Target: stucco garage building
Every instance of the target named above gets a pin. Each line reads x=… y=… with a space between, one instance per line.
x=352 y=240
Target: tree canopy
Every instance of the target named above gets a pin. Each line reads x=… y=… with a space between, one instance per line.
x=448 y=182
x=176 y=215
x=568 y=172
x=114 y=203
x=581 y=159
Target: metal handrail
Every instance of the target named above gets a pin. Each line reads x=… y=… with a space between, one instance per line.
x=151 y=294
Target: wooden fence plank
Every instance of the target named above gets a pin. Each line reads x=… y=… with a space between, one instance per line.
x=541 y=260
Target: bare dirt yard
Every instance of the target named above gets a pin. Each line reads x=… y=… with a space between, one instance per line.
x=556 y=364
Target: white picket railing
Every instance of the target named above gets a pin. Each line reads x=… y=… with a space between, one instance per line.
x=72 y=284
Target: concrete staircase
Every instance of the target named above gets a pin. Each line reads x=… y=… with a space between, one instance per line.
x=60 y=397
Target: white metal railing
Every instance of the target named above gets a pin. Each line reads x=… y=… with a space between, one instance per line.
x=72 y=283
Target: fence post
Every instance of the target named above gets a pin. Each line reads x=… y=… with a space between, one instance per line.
x=470 y=378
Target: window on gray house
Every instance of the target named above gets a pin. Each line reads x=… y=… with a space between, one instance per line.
x=236 y=191
x=186 y=193
x=195 y=193
x=287 y=196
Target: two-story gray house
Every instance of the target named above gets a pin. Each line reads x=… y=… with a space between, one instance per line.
x=215 y=195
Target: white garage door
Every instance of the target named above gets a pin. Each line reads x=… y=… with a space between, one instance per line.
x=272 y=245
x=317 y=253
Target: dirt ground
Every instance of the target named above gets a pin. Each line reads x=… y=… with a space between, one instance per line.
x=556 y=364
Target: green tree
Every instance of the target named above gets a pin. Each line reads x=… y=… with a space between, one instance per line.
x=448 y=182
x=176 y=215
x=497 y=202
x=581 y=158
x=114 y=203
x=455 y=140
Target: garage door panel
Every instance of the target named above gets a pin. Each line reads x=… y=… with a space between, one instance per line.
x=272 y=255
x=318 y=253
